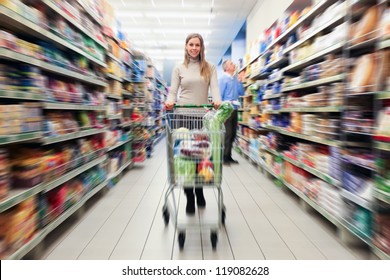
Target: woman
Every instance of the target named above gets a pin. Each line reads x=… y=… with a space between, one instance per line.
x=194 y=78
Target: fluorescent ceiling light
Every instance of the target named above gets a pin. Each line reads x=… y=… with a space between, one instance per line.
x=126 y=14
x=179 y=14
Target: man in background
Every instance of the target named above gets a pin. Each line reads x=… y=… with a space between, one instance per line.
x=230 y=88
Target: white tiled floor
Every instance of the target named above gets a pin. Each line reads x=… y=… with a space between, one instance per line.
x=263 y=221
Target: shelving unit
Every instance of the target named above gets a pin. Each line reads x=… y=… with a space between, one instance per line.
x=281 y=118
x=68 y=123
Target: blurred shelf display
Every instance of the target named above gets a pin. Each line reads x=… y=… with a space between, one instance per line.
x=326 y=113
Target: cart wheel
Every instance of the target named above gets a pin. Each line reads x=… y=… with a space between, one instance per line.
x=214 y=239
x=181 y=238
x=166 y=215
x=223 y=216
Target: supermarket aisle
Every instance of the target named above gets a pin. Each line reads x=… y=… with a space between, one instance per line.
x=263 y=222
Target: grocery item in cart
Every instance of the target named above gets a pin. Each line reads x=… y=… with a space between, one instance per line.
x=193 y=149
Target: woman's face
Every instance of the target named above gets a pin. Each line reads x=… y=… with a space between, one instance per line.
x=193 y=47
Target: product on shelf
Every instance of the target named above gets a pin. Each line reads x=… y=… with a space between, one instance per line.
x=382 y=230
x=382 y=131
x=359 y=121
x=18 y=225
x=364 y=29
x=4 y=174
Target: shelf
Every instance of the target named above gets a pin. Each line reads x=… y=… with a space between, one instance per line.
x=368 y=44
x=72 y=174
x=39 y=236
x=155 y=141
x=357 y=199
x=243 y=137
x=71 y=106
x=22 y=137
x=251 y=127
x=71 y=136
x=347 y=160
x=113 y=77
x=314 y=205
x=113 y=96
x=358 y=133
x=385 y=146
x=271 y=112
x=117 y=145
x=114 y=117
x=275 y=80
x=14 y=56
x=16 y=22
x=272 y=96
x=314 y=172
x=275 y=153
x=73 y=21
x=91 y=13
x=18 y=195
x=134 y=81
x=360 y=94
x=383 y=95
x=120 y=170
x=329 y=109
x=382 y=195
x=127 y=94
x=330 y=24
x=275 y=64
x=379 y=253
x=245 y=96
x=270 y=171
x=385 y=44
x=22 y=95
x=260 y=76
x=111 y=56
x=356 y=232
x=333 y=143
x=319 y=55
x=316 y=83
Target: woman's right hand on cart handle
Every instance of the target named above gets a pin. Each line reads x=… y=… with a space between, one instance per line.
x=168 y=106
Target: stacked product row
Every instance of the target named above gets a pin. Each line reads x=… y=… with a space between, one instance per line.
x=71 y=100
x=323 y=91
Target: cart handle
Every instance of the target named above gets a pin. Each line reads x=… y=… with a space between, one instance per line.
x=194 y=106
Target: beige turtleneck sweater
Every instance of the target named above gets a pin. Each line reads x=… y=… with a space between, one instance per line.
x=192 y=88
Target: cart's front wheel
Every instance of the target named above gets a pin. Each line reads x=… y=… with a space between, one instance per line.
x=181 y=238
x=166 y=215
x=214 y=239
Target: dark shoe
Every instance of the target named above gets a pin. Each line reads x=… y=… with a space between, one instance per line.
x=200 y=201
x=233 y=161
x=190 y=208
x=226 y=161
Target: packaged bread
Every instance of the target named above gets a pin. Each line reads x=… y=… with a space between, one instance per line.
x=362 y=74
x=364 y=29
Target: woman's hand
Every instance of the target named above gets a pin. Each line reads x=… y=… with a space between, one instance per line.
x=168 y=106
x=216 y=104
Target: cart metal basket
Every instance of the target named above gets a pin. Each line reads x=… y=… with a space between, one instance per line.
x=194 y=160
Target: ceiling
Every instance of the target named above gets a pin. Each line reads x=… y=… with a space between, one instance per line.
x=159 y=27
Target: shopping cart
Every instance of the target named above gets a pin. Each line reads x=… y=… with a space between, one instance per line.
x=194 y=160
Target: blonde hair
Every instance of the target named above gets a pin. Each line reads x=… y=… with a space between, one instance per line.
x=205 y=70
